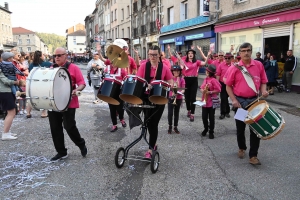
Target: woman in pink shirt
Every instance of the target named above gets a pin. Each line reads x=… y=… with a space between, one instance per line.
x=210 y=89
x=152 y=70
x=191 y=80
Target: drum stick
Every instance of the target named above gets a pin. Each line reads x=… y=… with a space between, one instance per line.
x=256 y=100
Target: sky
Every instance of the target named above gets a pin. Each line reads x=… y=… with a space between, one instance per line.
x=49 y=16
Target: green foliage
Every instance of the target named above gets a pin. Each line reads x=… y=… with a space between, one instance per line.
x=52 y=41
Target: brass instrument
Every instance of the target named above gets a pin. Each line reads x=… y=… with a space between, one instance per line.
x=205 y=91
x=174 y=93
x=180 y=61
x=236 y=50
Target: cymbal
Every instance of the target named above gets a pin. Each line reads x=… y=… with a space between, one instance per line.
x=117 y=56
x=177 y=89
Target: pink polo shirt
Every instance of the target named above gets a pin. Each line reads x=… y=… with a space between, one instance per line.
x=213 y=85
x=77 y=79
x=181 y=85
x=235 y=78
x=193 y=68
x=166 y=74
x=167 y=63
x=132 y=65
x=217 y=63
x=118 y=73
x=222 y=69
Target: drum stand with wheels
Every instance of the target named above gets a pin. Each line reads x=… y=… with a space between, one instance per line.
x=122 y=154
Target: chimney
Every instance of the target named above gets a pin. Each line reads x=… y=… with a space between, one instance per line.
x=6 y=6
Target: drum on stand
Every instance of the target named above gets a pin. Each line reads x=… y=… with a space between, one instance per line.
x=109 y=91
x=265 y=122
x=159 y=92
x=49 y=88
x=133 y=89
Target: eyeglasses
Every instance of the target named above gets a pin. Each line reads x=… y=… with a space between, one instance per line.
x=221 y=55
x=58 y=55
x=246 y=51
x=96 y=54
x=226 y=58
x=152 y=55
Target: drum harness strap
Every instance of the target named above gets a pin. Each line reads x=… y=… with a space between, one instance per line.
x=157 y=74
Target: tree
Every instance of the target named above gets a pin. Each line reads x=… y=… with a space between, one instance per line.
x=52 y=40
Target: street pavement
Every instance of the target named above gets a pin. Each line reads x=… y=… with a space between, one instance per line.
x=191 y=166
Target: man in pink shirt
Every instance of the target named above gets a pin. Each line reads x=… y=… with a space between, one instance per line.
x=67 y=118
x=221 y=70
x=218 y=61
x=242 y=95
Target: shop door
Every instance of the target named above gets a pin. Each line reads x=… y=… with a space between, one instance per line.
x=277 y=31
x=204 y=44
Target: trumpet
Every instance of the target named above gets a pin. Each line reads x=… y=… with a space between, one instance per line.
x=205 y=93
x=180 y=61
x=174 y=93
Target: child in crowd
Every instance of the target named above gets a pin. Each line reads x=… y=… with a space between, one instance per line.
x=210 y=89
x=179 y=82
x=22 y=98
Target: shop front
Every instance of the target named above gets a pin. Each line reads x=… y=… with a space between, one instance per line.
x=273 y=33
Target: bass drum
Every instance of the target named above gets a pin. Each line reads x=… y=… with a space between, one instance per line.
x=49 y=88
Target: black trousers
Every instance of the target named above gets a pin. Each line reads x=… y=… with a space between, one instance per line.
x=208 y=113
x=224 y=108
x=254 y=140
x=66 y=119
x=174 y=109
x=191 y=83
x=116 y=108
x=153 y=122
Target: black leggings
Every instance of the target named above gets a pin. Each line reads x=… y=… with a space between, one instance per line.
x=208 y=113
x=191 y=83
x=116 y=108
x=174 y=109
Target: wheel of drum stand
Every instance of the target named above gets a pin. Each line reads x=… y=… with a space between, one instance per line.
x=154 y=162
x=120 y=157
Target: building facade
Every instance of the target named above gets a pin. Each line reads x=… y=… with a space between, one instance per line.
x=76 y=42
x=6 y=34
x=187 y=24
x=271 y=26
x=28 y=41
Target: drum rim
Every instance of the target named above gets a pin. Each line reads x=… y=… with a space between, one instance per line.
x=262 y=113
x=138 y=77
x=113 y=80
x=155 y=82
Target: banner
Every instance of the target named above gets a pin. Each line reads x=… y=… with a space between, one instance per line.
x=204 y=8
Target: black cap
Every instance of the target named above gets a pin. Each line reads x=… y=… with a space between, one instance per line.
x=211 y=69
x=176 y=68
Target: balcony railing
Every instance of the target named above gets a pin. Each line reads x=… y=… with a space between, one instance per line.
x=153 y=28
x=143 y=3
x=10 y=43
x=135 y=32
x=143 y=30
x=135 y=9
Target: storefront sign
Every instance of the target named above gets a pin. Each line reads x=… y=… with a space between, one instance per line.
x=136 y=41
x=168 y=41
x=186 y=23
x=179 y=41
x=200 y=35
x=260 y=21
x=152 y=38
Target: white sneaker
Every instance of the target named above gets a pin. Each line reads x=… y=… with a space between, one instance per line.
x=96 y=101
x=8 y=136
x=13 y=134
x=25 y=112
x=21 y=112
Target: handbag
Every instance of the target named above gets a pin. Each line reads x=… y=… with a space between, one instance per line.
x=216 y=101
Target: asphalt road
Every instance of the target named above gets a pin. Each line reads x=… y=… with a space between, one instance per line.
x=191 y=166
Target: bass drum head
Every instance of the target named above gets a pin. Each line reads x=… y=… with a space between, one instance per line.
x=62 y=89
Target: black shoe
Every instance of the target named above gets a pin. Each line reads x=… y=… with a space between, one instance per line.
x=211 y=135
x=204 y=132
x=83 y=151
x=170 y=130
x=123 y=123
x=58 y=157
x=222 y=117
x=227 y=115
x=114 y=129
x=176 y=130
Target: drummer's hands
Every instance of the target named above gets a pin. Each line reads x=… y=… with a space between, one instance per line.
x=74 y=92
x=149 y=87
x=265 y=94
x=236 y=104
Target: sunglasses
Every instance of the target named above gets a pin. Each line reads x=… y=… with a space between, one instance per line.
x=58 y=55
x=227 y=58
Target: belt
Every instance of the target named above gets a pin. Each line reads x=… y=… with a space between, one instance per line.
x=190 y=76
x=246 y=97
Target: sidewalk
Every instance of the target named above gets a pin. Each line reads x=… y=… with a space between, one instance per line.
x=286 y=99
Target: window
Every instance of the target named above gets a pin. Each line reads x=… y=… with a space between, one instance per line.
x=144 y=18
x=128 y=32
x=112 y=34
x=112 y=16
x=122 y=14
x=27 y=41
x=183 y=11
x=232 y=40
x=20 y=41
x=117 y=35
x=153 y=15
x=171 y=15
x=20 y=49
x=123 y=36
x=240 y=1
x=28 y=49
x=257 y=37
x=242 y=39
x=128 y=11
x=115 y=14
x=223 y=40
x=136 y=22
x=74 y=40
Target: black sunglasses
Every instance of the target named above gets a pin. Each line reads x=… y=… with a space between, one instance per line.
x=58 y=55
x=227 y=58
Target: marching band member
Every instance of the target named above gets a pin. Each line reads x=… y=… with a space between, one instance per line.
x=178 y=82
x=210 y=88
x=151 y=70
x=191 y=80
x=242 y=95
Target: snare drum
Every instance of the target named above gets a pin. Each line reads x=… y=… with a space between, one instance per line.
x=110 y=90
x=49 y=88
x=265 y=122
x=159 y=92
x=133 y=89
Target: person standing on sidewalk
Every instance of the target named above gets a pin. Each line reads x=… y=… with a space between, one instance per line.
x=66 y=119
x=221 y=71
x=290 y=65
x=220 y=59
x=242 y=95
